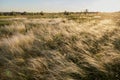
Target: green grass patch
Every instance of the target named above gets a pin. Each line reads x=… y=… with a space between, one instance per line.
x=5 y=17
x=5 y=22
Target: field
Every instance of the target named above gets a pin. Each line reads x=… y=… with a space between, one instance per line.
x=58 y=46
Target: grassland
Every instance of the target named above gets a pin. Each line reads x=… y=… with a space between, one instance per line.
x=60 y=47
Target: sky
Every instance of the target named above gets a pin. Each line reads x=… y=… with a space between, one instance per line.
x=59 y=5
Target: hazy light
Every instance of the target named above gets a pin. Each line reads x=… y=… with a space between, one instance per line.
x=59 y=5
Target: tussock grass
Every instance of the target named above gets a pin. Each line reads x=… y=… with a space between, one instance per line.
x=9 y=30
x=60 y=49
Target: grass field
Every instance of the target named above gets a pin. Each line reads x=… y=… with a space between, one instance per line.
x=60 y=47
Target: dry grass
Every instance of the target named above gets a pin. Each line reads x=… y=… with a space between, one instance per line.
x=60 y=49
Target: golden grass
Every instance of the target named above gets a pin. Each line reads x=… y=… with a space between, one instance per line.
x=61 y=49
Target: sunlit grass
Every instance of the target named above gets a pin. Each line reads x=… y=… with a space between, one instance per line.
x=60 y=49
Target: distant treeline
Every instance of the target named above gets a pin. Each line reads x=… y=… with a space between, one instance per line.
x=20 y=13
x=42 y=13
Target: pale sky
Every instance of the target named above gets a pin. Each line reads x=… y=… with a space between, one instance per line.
x=59 y=5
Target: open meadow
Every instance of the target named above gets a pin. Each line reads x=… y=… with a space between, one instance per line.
x=60 y=46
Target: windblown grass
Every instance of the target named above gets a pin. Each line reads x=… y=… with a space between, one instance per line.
x=60 y=49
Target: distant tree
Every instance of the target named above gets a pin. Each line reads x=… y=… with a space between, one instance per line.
x=86 y=11
x=12 y=13
x=41 y=13
x=66 y=13
x=1 y=14
x=24 y=13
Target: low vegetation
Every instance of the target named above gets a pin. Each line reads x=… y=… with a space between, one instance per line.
x=61 y=48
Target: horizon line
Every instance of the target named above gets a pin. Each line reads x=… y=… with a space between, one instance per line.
x=57 y=11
